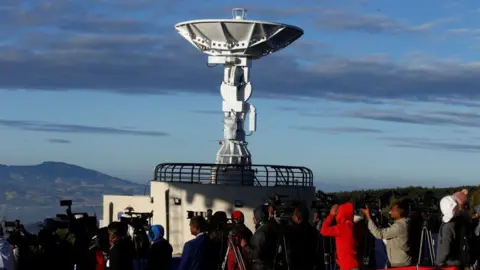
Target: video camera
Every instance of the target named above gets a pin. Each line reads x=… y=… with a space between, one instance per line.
x=137 y=219
x=324 y=202
x=284 y=206
x=76 y=222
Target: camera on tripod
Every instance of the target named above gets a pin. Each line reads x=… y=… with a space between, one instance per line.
x=374 y=205
x=76 y=222
x=324 y=202
x=284 y=206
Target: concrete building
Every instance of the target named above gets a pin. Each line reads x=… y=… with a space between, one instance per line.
x=178 y=188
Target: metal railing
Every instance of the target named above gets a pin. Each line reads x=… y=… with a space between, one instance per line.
x=229 y=174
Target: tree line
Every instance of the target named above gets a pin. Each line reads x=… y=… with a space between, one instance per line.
x=390 y=195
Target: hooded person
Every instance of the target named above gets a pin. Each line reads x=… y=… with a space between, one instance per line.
x=7 y=259
x=453 y=248
x=262 y=247
x=343 y=231
x=160 y=256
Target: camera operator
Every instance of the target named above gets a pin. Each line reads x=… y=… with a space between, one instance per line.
x=261 y=249
x=160 y=255
x=239 y=232
x=48 y=246
x=343 y=231
x=122 y=252
x=455 y=233
x=396 y=236
x=303 y=241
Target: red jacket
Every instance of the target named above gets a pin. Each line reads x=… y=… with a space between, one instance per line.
x=232 y=263
x=343 y=231
x=100 y=258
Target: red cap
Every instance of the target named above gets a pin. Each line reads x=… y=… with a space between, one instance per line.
x=237 y=214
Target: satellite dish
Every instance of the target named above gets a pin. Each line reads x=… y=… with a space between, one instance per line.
x=237 y=36
x=234 y=43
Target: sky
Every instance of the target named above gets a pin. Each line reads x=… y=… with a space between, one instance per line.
x=375 y=93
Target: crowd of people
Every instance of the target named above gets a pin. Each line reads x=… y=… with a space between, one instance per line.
x=277 y=243
x=456 y=245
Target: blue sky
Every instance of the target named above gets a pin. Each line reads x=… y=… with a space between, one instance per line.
x=376 y=93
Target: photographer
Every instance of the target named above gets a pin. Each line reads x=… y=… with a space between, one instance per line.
x=453 y=239
x=240 y=232
x=261 y=249
x=121 y=253
x=303 y=241
x=396 y=236
x=343 y=231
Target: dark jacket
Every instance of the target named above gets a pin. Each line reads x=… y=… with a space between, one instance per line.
x=160 y=256
x=303 y=242
x=121 y=255
x=194 y=254
x=160 y=252
x=261 y=250
x=449 y=250
x=345 y=242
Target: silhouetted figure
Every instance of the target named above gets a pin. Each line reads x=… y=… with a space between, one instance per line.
x=160 y=255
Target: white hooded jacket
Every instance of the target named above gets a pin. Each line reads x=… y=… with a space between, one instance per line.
x=7 y=259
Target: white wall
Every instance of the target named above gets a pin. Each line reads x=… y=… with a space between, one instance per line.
x=199 y=198
x=139 y=204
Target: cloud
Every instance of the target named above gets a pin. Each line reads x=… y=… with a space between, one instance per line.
x=433 y=118
x=62 y=141
x=95 y=45
x=66 y=128
x=338 y=130
x=428 y=144
x=464 y=31
x=338 y=19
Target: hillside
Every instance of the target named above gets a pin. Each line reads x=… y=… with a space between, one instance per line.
x=31 y=191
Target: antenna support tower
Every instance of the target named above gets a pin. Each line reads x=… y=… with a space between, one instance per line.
x=234 y=43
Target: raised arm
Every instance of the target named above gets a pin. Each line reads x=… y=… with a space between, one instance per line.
x=388 y=233
x=327 y=228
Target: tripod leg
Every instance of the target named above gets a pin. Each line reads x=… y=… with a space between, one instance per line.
x=431 y=248
x=420 y=251
x=224 y=264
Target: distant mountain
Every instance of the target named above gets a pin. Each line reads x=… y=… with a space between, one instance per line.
x=37 y=189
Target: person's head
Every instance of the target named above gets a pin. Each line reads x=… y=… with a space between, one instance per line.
x=300 y=215
x=198 y=224
x=461 y=197
x=115 y=230
x=449 y=208
x=399 y=210
x=345 y=213
x=238 y=217
x=260 y=214
x=156 y=233
x=316 y=216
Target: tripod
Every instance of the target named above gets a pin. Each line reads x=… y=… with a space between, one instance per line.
x=426 y=235
x=328 y=250
x=238 y=255
x=283 y=264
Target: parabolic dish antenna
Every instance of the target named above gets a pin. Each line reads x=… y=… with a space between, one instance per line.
x=233 y=43
x=237 y=36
